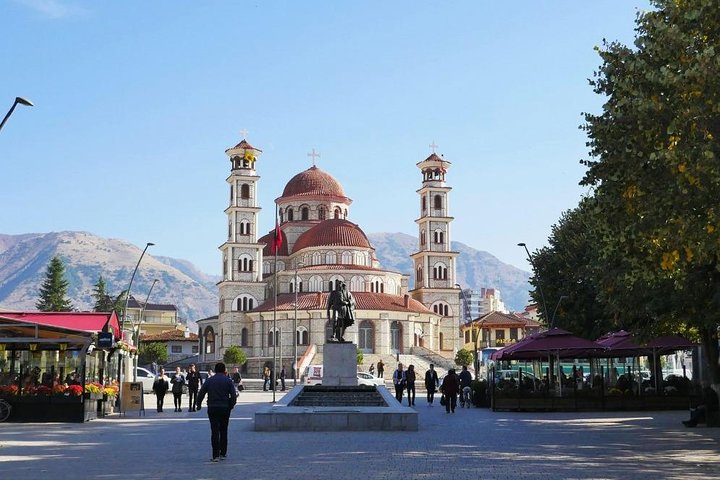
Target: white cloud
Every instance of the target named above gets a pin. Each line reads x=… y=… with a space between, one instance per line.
x=53 y=8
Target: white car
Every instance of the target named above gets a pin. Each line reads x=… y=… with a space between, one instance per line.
x=365 y=378
x=147 y=378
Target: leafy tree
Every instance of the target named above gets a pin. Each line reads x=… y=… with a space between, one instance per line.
x=656 y=174
x=53 y=292
x=234 y=355
x=463 y=357
x=150 y=352
x=565 y=270
x=360 y=357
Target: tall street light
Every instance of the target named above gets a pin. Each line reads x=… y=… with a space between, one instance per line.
x=295 y=342
x=21 y=101
x=136 y=328
x=552 y=320
x=539 y=286
x=127 y=293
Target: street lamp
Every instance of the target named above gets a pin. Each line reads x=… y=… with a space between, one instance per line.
x=136 y=328
x=295 y=341
x=552 y=320
x=127 y=292
x=21 y=101
x=539 y=286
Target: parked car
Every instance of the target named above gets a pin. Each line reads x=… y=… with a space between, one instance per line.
x=146 y=377
x=365 y=378
x=314 y=373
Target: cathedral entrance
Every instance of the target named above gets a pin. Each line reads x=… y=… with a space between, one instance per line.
x=395 y=337
x=366 y=341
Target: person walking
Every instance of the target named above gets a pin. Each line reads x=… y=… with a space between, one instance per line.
x=431 y=384
x=410 y=384
x=399 y=382
x=371 y=370
x=381 y=369
x=266 y=378
x=222 y=398
x=465 y=379
x=282 y=378
x=237 y=379
x=193 y=380
x=178 y=382
x=160 y=388
x=450 y=387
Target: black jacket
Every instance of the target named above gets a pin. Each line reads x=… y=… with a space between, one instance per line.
x=220 y=391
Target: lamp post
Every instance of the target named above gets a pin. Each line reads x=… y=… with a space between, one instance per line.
x=552 y=320
x=127 y=293
x=539 y=286
x=21 y=101
x=136 y=328
x=295 y=329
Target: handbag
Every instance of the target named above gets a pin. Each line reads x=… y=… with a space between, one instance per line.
x=240 y=387
x=443 y=400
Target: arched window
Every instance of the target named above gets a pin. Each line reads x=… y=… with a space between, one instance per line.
x=305 y=213
x=322 y=213
x=357 y=284
x=315 y=284
x=376 y=285
x=245 y=263
x=441 y=340
x=231 y=194
x=347 y=258
x=330 y=258
x=437 y=202
x=345 y=214
x=244 y=337
x=441 y=308
x=337 y=213
x=439 y=272
x=243 y=303
x=439 y=237
x=419 y=276
x=366 y=336
x=395 y=337
x=303 y=336
x=244 y=227
x=244 y=191
x=335 y=282
x=290 y=215
x=209 y=340
x=317 y=258
x=422 y=238
x=424 y=204
x=266 y=268
x=299 y=284
x=391 y=286
x=273 y=338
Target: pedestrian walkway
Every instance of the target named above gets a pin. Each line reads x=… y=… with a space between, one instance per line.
x=470 y=444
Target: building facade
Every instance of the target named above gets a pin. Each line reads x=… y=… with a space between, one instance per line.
x=275 y=287
x=153 y=318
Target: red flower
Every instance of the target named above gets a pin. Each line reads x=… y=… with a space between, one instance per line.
x=75 y=390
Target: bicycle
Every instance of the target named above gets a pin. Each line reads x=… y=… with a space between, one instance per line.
x=5 y=409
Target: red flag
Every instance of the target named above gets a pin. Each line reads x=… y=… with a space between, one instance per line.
x=277 y=240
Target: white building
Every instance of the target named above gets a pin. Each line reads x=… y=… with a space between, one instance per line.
x=320 y=248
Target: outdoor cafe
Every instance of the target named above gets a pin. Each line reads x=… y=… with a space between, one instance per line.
x=557 y=371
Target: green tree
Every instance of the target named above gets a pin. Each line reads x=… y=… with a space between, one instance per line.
x=104 y=302
x=360 y=357
x=565 y=270
x=150 y=352
x=463 y=357
x=234 y=355
x=655 y=173
x=53 y=292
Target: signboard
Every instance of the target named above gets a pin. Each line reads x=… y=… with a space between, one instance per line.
x=131 y=398
x=105 y=340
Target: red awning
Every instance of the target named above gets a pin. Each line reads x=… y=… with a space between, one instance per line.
x=79 y=321
x=549 y=343
x=620 y=344
x=670 y=343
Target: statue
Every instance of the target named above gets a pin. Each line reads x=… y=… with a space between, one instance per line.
x=342 y=304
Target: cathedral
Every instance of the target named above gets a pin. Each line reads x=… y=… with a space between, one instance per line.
x=275 y=287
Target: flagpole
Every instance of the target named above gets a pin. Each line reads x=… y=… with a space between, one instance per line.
x=274 y=337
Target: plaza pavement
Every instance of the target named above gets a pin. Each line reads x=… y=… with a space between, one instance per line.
x=470 y=444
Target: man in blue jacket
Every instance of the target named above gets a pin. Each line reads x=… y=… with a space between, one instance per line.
x=222 y=397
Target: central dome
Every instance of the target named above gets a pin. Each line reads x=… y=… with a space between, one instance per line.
x=333 y=233
x=312 y=182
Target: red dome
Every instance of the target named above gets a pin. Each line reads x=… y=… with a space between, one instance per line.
x=312 y=182
x=333 y=233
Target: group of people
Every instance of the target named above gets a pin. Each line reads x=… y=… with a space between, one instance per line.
x=452 y=385
x=181 y=381
x=267 y=379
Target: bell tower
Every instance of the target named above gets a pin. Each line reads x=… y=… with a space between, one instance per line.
x=241 y=288
x=435 y=262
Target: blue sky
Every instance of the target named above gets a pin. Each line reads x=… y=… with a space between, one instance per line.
x=136 y=102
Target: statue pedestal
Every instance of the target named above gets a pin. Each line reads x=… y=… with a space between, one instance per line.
x=339 y=364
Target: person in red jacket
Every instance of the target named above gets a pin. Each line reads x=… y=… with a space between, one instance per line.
x=450 y=388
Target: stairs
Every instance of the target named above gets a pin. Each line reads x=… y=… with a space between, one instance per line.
x=324 y=396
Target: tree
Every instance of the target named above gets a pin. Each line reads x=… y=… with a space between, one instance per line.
x=234 y=355
x=104 y=302
x=150 y=352
x=655 y=172
x=464 y=357
x=53 y=291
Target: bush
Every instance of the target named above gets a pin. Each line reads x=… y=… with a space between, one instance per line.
x=464 y=357
x=682 y=385
x=234 y=355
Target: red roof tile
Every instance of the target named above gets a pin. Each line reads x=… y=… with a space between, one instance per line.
x=174 y=335
x=506 y=320
x=244 y=144
x=333 y=233
x=363 y=301
x=313 y=182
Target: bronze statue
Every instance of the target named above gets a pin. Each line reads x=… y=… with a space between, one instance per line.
x=342 y=304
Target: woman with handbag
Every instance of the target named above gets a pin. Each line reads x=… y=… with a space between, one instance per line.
x=450 y=388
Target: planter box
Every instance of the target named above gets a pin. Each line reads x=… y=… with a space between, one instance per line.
x=47 y=409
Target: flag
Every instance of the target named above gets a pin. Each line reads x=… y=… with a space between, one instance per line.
x=277 y=239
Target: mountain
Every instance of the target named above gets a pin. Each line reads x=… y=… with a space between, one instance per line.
x=24 y=260
x=475 y=268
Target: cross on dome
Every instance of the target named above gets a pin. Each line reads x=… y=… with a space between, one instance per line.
x=433 y=146
x=244 y=133
x=314 y=155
